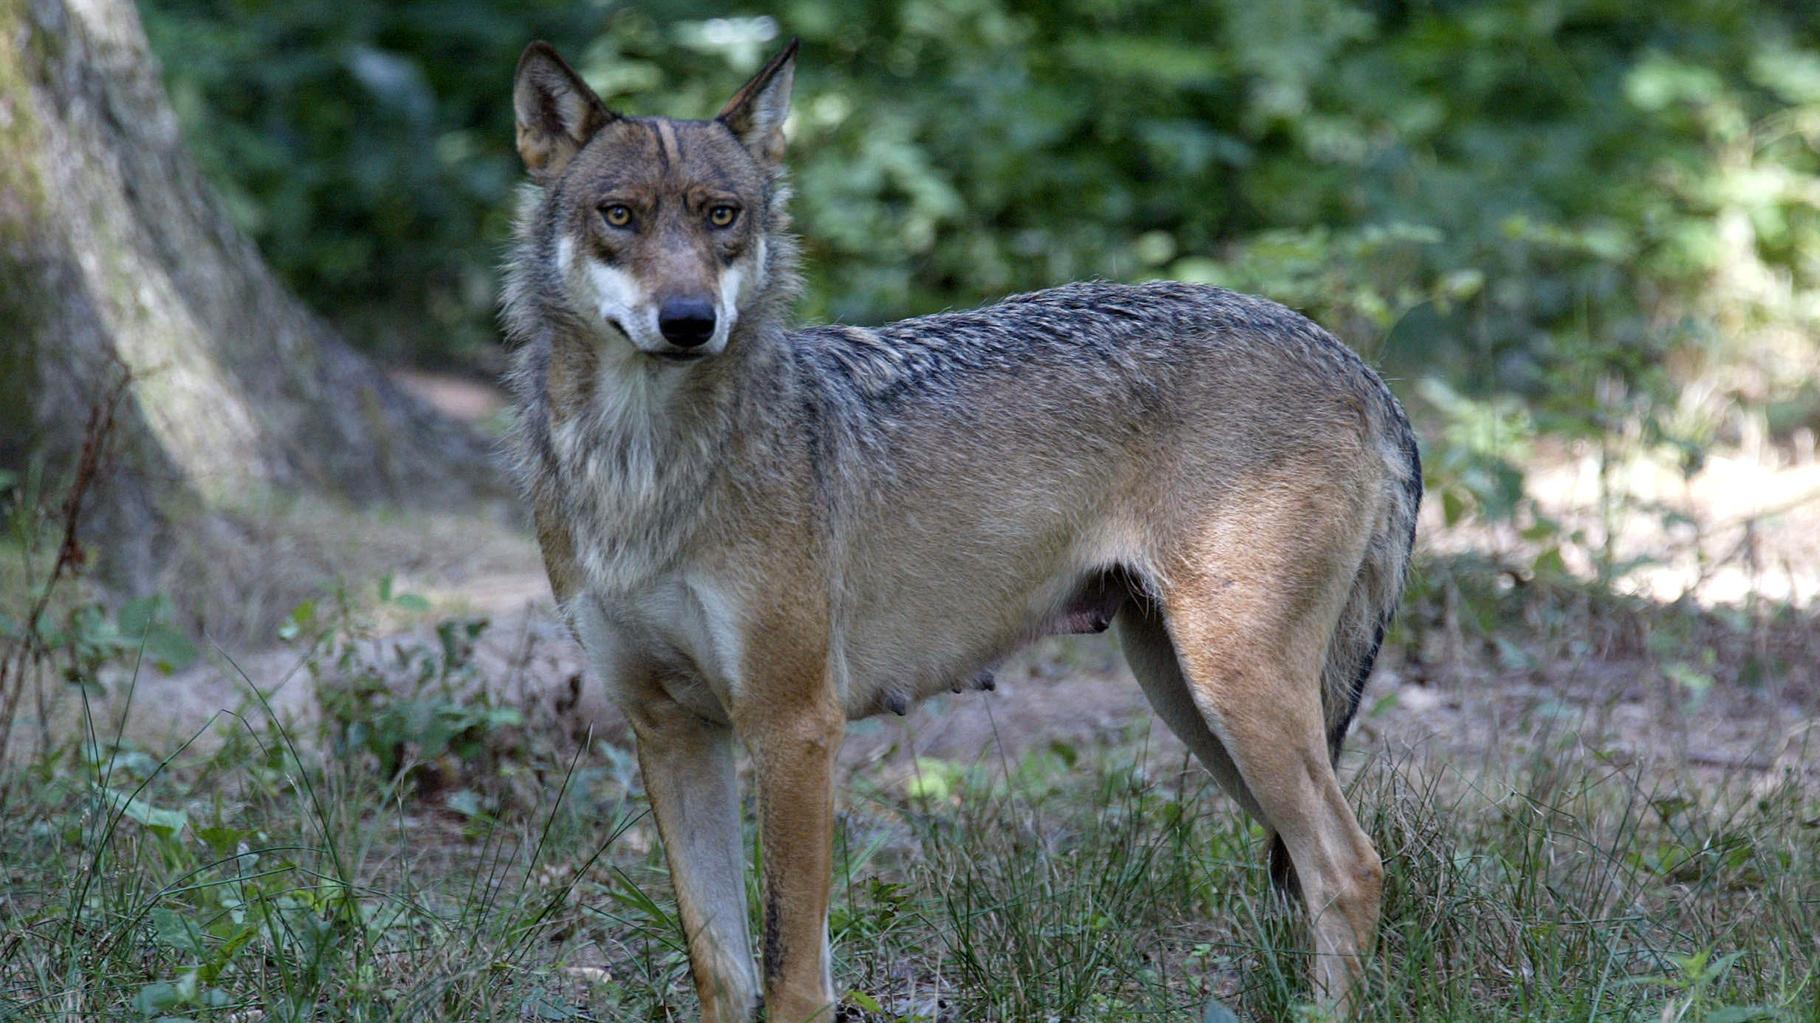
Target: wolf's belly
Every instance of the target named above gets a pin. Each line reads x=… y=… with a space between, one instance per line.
x=894 y=660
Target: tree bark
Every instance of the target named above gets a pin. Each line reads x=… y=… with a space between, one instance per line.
x=115 y=258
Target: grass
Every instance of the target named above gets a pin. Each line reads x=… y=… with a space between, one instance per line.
x=425 y=849
x=261 y=875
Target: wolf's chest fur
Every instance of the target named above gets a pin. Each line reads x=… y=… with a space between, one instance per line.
x=634 y=474
x=631 y=485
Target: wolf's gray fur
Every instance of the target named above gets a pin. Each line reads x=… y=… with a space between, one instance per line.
x=784 y=528
x=1095 y=374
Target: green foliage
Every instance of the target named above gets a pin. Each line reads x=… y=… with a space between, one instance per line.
x=1587 y=222
x=87 y=639
x=365 y=147
x=1527 y=198
x=54 y=628
x=264 y=875
x=403 y=706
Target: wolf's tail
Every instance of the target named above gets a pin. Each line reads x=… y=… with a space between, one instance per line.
x=1378 y=586
x=1372 y=602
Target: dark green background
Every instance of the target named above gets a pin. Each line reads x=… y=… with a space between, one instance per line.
x=1556 y=213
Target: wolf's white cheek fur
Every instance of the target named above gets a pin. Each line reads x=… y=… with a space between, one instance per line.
x=737 y=283
x=617 y=295
x=732 y=289
x=614 y=294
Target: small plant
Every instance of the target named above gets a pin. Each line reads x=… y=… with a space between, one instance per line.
x=409 y=710
x=50 y=626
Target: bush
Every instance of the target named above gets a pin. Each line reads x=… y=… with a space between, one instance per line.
x=1578 y=203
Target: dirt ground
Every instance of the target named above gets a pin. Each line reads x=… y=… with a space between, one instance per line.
x=1077 y=691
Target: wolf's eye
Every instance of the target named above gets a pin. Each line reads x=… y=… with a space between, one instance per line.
x=617 y=215
x=722 y=215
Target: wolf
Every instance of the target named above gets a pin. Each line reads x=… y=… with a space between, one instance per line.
x=759 y=532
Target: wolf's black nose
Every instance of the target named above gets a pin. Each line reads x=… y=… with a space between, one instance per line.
x=686 y=322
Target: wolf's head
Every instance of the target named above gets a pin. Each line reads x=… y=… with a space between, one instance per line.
x=658 y=228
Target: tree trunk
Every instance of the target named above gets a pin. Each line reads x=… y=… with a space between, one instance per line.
x=115 y=258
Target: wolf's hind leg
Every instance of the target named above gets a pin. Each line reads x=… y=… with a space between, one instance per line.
x=1148 y=649
x=1251 y=608
x=687 y=763
x=1150 y=653
x=1265 y=709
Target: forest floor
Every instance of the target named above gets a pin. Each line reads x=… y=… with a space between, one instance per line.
x=1597 y=802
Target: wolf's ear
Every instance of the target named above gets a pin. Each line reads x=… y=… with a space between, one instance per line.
x=756 y=112
x=557 y=112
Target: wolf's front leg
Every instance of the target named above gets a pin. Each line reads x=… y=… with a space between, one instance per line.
x=793 y=740
x=687 y=764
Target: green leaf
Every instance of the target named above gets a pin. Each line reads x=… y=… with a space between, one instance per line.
x=144 y=624
x=136 y=616
x=168 y=823
x=301 y=617
x=1453 y=507
x=1383 y=704
x=1742 y=1014
x=168 y=649
x=223 y=839
x=225 y=952
x=505 y=717
x=1550 y=564
x=160 y=995
x=934 y=779
x=465 y=802
x=173 y=929
x=1216 y=1012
